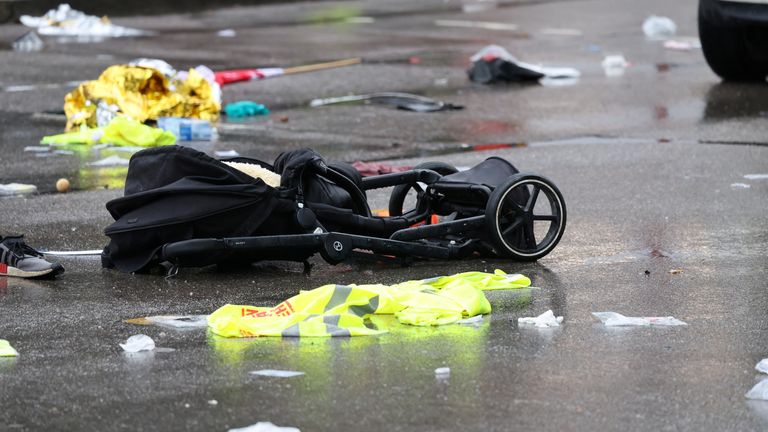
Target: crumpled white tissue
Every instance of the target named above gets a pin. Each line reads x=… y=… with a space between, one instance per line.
x=759 y=391
x=617 y=319
x=762 y=366
x=547 y=319
x=138 y=343
x=265 y=427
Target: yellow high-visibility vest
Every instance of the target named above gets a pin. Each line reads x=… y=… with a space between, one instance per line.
x=341 y=310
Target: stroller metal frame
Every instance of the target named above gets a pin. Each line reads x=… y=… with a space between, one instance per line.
x=478 y=219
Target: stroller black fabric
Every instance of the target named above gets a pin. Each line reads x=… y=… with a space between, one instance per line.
x=176 y=193
x=491 y=172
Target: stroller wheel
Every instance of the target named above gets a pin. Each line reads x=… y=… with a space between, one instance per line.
x=525 y=217
x=400 y=192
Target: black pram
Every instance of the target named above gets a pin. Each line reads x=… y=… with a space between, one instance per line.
x=182 y=208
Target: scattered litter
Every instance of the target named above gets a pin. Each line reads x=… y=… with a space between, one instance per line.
x=377 y=168
x=341 y=310
x=172 y=321
x=142 y=92
x=614 y=65
x=62 y=185
x=245 y=109
x=740 y=186
x=756 y=176
x=441 y=82
x=37 y=149
x=442 y=372
x=265 y=427
x=495 y=64
x=226 y=153
x=683 y=45
x=113 y=160
x=137 y=343
x=237 y=75
x=28 y=42
x=759 y=391
x=12 y=189
x=659 y=27
x=675 y=271
x=6 y=350
x=547 y=319
x=762 y=366
x=475 y=320
x=187 y=129
x=486 y=25
x=276 y=373
x=213 y=402
x=228 y=33
x=65 y=21
x=617 y=319
x=404 y=101
x=561 y=32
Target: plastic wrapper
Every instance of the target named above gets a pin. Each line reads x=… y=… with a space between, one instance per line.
x=173 y=321
x=759 y=391
x=617 y=319
x=265 y=427
x=547 y=319
x=65 y=21
x=656 y=27
x=12 y=189
x=141 y=94
x=138 y=343
x=762 y=366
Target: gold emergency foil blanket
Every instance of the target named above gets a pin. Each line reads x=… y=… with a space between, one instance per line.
x=141 y=94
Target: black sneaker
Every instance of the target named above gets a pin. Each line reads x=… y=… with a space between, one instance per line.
x=19 y=260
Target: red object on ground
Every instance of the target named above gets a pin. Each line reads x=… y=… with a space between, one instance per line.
x=376 y=168
x=237 y=75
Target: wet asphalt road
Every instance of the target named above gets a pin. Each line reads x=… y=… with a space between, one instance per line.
x=649 y=164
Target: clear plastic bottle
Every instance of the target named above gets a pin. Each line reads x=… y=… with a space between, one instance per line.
x=187 y=129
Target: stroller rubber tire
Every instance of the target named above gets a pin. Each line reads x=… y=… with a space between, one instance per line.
x=399 y=192
x=516 y=238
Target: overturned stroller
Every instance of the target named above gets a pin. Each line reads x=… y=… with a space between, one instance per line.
x=182 y=208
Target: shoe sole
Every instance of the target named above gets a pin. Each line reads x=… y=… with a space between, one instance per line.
x=6 y=270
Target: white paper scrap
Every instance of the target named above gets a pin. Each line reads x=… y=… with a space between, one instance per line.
x=762 y=366
x=138 y=343
x=759 y=391
x=547 y=319
x=443 y=371
x=265 y=427
x=276 y=373
x=475 y=320
x=617 y=319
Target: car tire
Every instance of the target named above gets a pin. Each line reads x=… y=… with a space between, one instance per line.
x=732 y=49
